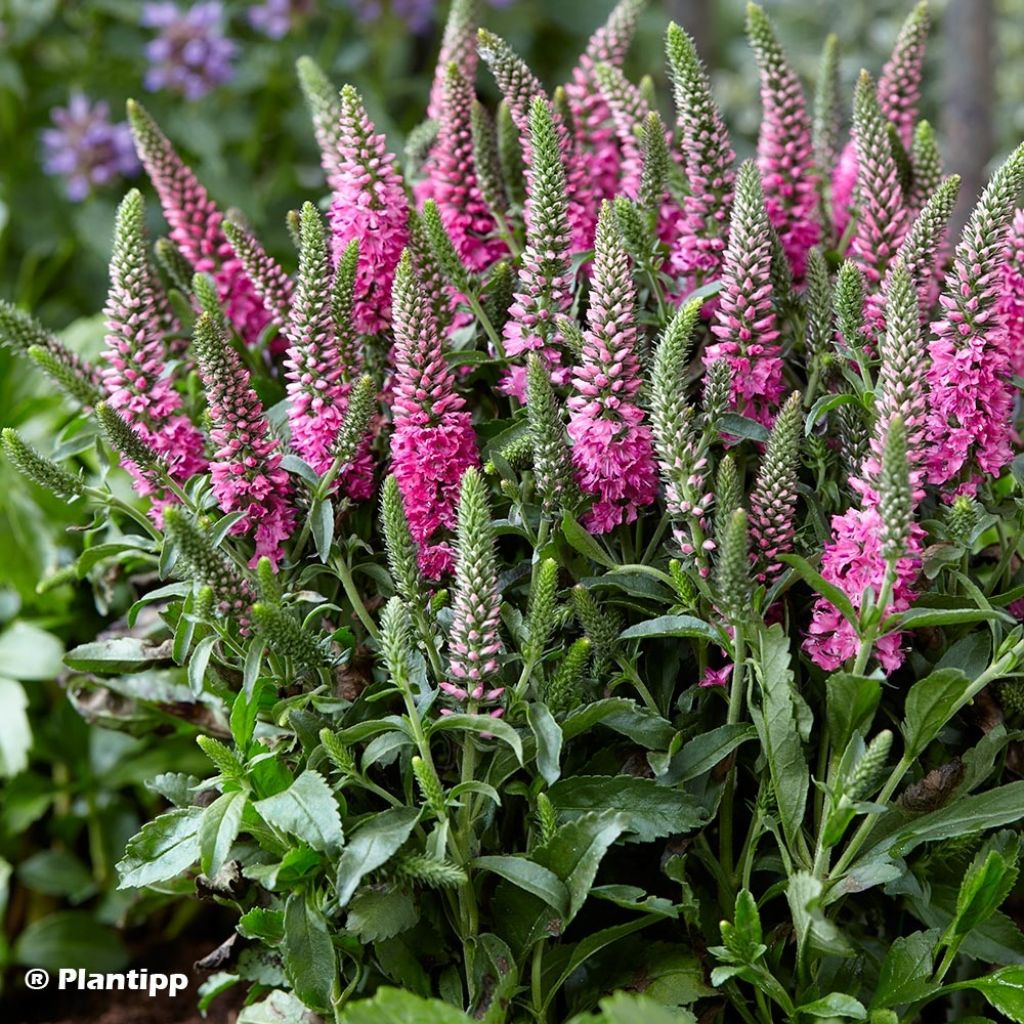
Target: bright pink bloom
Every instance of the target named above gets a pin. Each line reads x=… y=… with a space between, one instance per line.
x=370 y=205
x=716 y=676
x=785 y=154
x=844 y=187
x=246 y=468
x=1011 y=298
x=135 y=375
x=195 y=225
x=433 y=441
x=745 y=323
x=612 y=448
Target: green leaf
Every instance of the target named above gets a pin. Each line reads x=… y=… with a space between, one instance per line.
x=732 y=424
x=931 y=703
x=393 y=1006
x=70 y=938
x=835 y=1004
x=307 y=809
x=15 y=730
x=812 y=927
x=381 y=912
x=278 y=1008
x=262 y=924
x=57 y=873
x=851 y=702
x=163 y=849
x=625 y=716
x=116 y=656
x=548 y=735
x=820 y=585
x=970 y=814
x=778 y=725
x=321 y=521
x=493 y=978
x=826 y=404
x=308 y=953
x=30 y=653
x=703 y=752
x=918 y=618
x=676 y=625
x=645 y=808
x=584 y=543
x=482 y=724
x=575 y=851
x=1004 y=990
x=906 y=970
x=198 y=664
x=219 y=830
x=373 y=844
x=988 y=882
x=531 y=877
x=630 y=1008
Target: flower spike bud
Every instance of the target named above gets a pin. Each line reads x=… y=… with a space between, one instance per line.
x=899 y=85
x=440 y=295
x=246 y=467
x=291 y=222
x=848 y=303
x=612 y=450
x=21 y=332
x=396 y=643
x=141 y=459
x=745 y=327
x=433 y=441
x=969 y=379
x=475 y=642
x=564 y=690
x=601 y=626
x=317 y=390
x=922 y=249
x=784 y=150
x=40 y=470
x=698 y=252
x=773 y=502
x=430 y=787
x=338 y=753
x=68 y=377
x=428 y=871
x=870 y=770
x=325 y=110
x=828 y=120
x=177 y=269
x=895 y=502
x=682 y=461
x=511 y=157
x=201 y=563
x=401 y=548
x=882 y=220
x=628 y=111
x=544 y=290
x=728 y=494
x=204 y=290
x=486 y=160
x=926 y=165
x=655 y=157
x=732 y=576
x=268 y=582
x=272 y=284
x=454 y=181
x=717 y=394
x=499 y=293
x=196 y=224
x=854 y=443
x=443 y=249
x=541 y=616
x=818 y=301
x=552 y=461
x=369 y=204
x=458 y=49
x=287 y=637
x=962 y=518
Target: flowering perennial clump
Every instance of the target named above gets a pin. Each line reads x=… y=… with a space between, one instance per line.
x=477 y=536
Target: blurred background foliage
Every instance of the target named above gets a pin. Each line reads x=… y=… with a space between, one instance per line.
x=72 y=793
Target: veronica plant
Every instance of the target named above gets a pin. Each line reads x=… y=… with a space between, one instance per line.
x=591 y=572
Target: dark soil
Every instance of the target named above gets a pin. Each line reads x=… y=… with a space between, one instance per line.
x=20 y=1006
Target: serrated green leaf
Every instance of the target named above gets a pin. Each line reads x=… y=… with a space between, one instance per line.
x=219 y=829
x=371 y=846
x=548 y=735
x=163 y=849
x=308 y=953
x=531 y=877
x=381 y=912
x=306 y=809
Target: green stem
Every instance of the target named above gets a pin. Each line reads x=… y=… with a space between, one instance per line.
x=737 y=693
x=867 y=642
x=344 y=572
x=639 y=684
x=536 y=981
x=485 y=321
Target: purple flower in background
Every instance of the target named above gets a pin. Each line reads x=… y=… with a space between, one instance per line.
x=190 y=55
x=85 y=148
x=417 y=14
x=274 y=18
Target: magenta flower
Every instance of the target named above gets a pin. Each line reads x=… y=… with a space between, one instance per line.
x=745 y=323
x=85 y=148
x=190 y=55
x=433 y=441
x=246 y=467
x=458 y=47
x=697 y=255
x=971 y=396
x=135 y=376
x=195 y=225
x=370 y=205
x=785 y=154
x=1011 y=298
x=612 y=449
x=454 y=188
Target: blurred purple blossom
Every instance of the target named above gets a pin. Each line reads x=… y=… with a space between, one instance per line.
x=85 y=148
x=190 y=55
x=275 y=18
x=417 y=14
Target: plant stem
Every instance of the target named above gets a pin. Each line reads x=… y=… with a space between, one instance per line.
x=737 y=692
x=344 y=572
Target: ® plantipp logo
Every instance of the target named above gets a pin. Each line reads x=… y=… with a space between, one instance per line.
x=76 y=979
